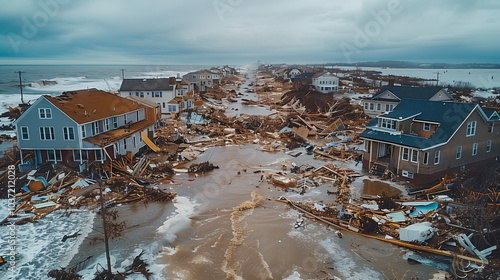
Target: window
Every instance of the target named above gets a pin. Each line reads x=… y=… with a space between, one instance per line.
x=471 y=128
x=58 y=155
x=379 y=106
x=459 y=152
x=84 y=132
x=426 y=158
x=491 y=127
x=98 y=155
x=371 y=106
x=69 y=133
x=386 y=123
x=163 y=105
x=488 y=146
x=437 y=155
x=389 y=107
x=115 y=122
x=366 y=106
x=95 y=126
x=406 y=154
x=76 y=155
x=45 y=113
x=142 y=94
x=134 y=144
x=51 y=155
x=124 y=144
x=427 y=126
x=25 y=133
x=85 y=155
x=125 y=119
x=172 y=108
x=137 y=115
x=414 y=155
x=106 y=124
x=47 y=133
x=474 y=149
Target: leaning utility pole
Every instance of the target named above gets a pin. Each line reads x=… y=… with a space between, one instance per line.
x=104 y=225
x=20 y=85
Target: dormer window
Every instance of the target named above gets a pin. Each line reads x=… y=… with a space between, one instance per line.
x=427 y=127
x=387 y=123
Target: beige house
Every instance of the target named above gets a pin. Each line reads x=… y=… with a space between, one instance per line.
x=388 y=97
x=424 y=140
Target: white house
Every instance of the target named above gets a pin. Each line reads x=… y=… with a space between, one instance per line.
x=325 y=82
x=159 y=91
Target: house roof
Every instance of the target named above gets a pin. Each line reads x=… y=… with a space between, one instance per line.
x=492 y=114
x=450 y=116
x=403 y=92
x=326 y=74
x=143 y=101
x=146 y=84
x=85 y=106
x=115 y=135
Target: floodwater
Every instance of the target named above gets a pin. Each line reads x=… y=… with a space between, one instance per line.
x=378 y=188
x=237 y=108
x=237 y=230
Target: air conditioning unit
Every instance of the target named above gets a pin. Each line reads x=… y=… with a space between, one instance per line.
x=407 y=174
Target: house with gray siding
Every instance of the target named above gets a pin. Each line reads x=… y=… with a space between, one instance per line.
x=83 y=126
x=423 y=140
x=388 y=97
x=203 y=79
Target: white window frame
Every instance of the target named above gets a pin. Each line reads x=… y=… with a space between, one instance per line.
x=45 y=113
x=437 y=157
x=44 y=133
x=488 y=146
x=471 y=128
x=27 y=132
x=379 y=107
x=58 y=155
x=459 y=152
x=366 y=105
x=474 y=149
x=405 y=154
x=84 y=132
x=389 y=107
x=67 y=135
x=134 y=142
x=425 y=161
x=76 y=155
x=96 y=127
x=115 y=122
x=372 y=106
x=51 y=155
x=426 y=127
x=106 y=124
x=414 y=156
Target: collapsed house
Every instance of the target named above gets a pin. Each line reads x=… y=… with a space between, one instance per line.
x=424 y=140
x=83 y=126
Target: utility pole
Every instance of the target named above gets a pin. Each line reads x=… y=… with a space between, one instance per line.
x=104 y=225
x=123 y=74
x=437 y=78
x=20 y=85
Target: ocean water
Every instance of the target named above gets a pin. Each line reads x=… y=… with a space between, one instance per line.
x=38 y=80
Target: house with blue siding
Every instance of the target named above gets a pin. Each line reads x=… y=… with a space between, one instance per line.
x=84 y=126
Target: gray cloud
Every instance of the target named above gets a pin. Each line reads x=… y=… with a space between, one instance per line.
x=242 y=31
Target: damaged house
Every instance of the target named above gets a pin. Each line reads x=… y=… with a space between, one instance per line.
x=388 y=97
x=203 y=79
x=174 y=95
x=424 y=140
x=84 y=126
x=325 y=82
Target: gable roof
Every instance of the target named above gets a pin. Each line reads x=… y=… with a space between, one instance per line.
x=146 y=84
x=85 y=106
x=403 y=92
x=450 y=116
x=491 y=114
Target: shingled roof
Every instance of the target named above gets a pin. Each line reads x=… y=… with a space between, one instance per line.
x=403 y=92
x=450 y=116
x=146 y=84
x=85 y=106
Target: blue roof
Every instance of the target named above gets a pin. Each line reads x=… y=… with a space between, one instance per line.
x=450 y=115
x=403 y=92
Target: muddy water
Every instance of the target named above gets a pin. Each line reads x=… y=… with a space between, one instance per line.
x=379 y=187
x=237 y=108
x=229 y=227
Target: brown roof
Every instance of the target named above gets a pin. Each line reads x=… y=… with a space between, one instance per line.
x=85 y=106
x=115 y=135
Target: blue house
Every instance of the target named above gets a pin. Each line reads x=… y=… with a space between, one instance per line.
x=83 y=126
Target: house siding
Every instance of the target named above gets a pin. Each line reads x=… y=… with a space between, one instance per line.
x=33 y=122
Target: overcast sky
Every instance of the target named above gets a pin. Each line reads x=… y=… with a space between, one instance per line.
x=244 y=31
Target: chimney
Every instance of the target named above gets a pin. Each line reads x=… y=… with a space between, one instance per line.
x=171 y=80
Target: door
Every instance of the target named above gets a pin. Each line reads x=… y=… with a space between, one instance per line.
x=381 y=150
